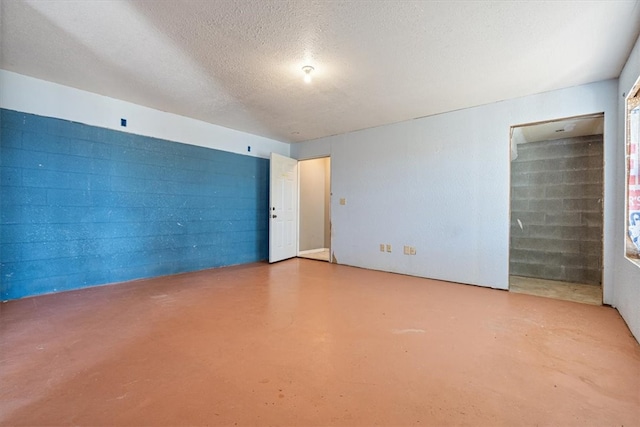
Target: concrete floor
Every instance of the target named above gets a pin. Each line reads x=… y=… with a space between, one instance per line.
x=302 y=343
x=577 y=292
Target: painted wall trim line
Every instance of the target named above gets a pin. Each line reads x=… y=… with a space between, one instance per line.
x=44 y=98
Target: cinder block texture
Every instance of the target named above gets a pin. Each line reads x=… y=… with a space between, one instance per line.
x=83 y=206
x=556 y=210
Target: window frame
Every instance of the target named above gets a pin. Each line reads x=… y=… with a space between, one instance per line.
x=632 y=174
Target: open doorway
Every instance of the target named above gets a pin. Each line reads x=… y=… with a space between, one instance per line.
x=314 y=239
x=557 y=173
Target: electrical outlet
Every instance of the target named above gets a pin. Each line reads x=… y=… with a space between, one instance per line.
x=388 y=248
x=406 y=250
x=381 y=247
x=412 y=250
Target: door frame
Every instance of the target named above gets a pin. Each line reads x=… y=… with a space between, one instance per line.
x=600 y=115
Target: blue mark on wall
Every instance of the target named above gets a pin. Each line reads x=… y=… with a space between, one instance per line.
x=83 y=206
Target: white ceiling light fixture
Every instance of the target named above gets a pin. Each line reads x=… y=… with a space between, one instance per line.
x=308 y=69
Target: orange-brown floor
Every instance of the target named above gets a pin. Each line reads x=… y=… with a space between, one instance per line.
x=310 y=343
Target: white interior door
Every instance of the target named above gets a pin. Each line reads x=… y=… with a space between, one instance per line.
x=283 y=208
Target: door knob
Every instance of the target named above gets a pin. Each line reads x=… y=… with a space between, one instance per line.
x=274 y=216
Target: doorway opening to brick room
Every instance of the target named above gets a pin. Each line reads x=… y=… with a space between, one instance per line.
x=557 y=182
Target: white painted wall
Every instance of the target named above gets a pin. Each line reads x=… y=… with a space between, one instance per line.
x=30 y=95
x=626 y=289
x=441 y=184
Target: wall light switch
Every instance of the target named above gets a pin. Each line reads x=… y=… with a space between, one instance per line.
x=412 y=250
x=381 y=247
x=343 y=201
x=406 y=250
x=388 y=248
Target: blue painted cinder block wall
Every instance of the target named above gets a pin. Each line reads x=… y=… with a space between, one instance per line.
x=82 y=205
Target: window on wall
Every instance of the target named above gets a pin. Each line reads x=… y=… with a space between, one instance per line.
x=632 y=246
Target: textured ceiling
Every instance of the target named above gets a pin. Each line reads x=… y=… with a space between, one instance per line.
x=238 y=63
